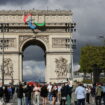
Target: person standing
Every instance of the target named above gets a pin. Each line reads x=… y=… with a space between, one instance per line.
x=54 y=94
x=59 y=92
x=74 y=98
x=19 y=92
x=80 y=94
x=1 y=93
x=44 y=94
x=49 y=92
x=103 y=91
x=6 y=94
x=88 y=91
x=36 y=94
x=98 y=94
x=28 y=92
x=69 y=92
x=93 y=92
x=63 y=95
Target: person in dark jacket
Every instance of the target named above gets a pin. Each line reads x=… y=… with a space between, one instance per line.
x=6 y=94
x=1 y=92
x=54 y=92
x=63 y=95
x=20 y=94
x=44 y=94
x=28 y=92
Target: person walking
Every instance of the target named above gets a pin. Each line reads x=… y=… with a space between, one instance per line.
x=80 y=94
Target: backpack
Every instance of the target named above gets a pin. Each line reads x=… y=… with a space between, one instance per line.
x=1 y=91
x=98 y=91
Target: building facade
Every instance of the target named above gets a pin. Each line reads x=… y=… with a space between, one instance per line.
x=51 y=30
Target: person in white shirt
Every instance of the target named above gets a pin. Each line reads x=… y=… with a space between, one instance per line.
x=59 y=92
x=49 y=91
x=80 y=94
x=88 y=91
x=36 y=94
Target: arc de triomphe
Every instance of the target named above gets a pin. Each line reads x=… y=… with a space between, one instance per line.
x=52 y=32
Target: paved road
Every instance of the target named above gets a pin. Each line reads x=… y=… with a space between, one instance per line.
x=14 y=102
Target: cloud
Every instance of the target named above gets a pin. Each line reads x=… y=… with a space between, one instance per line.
x=17 y=2
x=33 y=71
x=88 y=14
x=21 y=2
x=76 y=67
x=34 y=53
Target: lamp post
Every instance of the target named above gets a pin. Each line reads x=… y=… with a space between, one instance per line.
x=2 y=47
x=72 y=47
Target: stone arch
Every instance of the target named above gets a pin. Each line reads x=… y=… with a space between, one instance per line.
x=25 y=44
x=41 y=43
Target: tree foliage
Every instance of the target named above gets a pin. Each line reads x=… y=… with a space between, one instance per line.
x=90 y=56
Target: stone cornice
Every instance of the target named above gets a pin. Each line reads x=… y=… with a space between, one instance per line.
x=12 y=52
x=36 y=12
x=58 y=52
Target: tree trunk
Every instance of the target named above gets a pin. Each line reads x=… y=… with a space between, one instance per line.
x=96 y=75
x=91 y=76
x=84 y=76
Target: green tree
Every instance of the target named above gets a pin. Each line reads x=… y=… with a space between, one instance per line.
x=92 y=60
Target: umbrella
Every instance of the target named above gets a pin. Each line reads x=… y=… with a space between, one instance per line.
x=31 y=83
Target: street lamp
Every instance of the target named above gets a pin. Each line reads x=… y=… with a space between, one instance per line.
x=2 y=47
x=72 y=47
x=4 y=28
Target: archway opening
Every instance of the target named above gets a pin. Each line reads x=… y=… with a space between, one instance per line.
x=34 y=61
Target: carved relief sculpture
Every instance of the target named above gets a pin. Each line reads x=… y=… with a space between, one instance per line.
x=61 y=67
x=8 y=67
x=23 y=38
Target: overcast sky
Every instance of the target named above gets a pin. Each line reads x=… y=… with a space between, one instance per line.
x=88 y=14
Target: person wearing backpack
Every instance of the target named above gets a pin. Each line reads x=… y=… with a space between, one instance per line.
x=103 y=93
x=98 y=94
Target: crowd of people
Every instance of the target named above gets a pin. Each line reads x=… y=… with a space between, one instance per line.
x=60 y=94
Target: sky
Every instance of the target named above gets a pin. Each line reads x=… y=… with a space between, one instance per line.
x=89 y=16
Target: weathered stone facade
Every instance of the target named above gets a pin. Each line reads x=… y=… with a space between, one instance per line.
x=55 y=36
